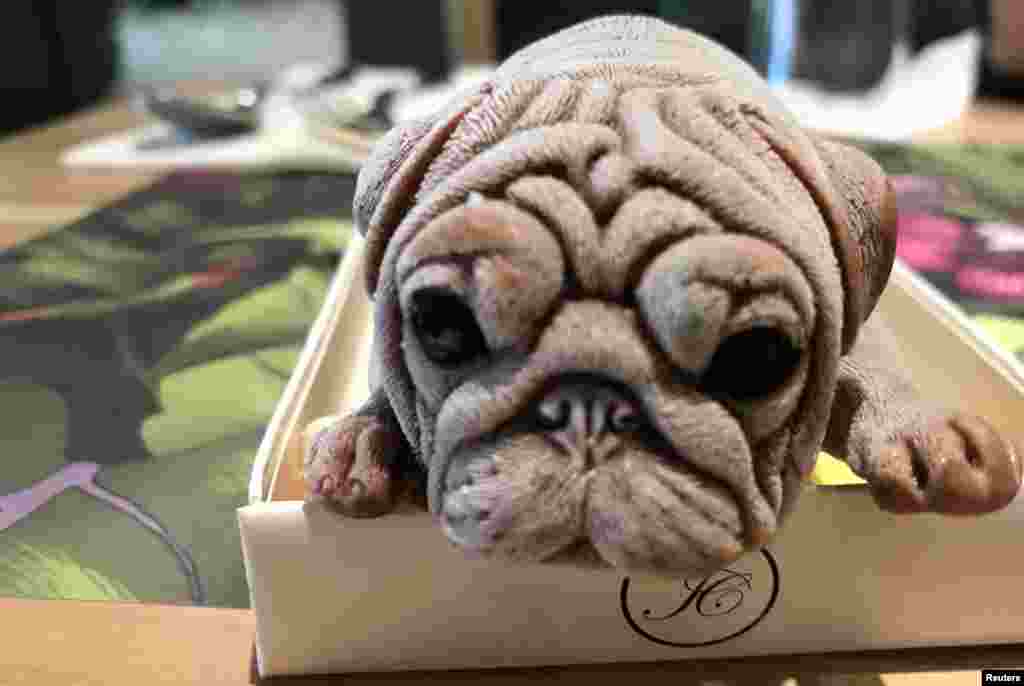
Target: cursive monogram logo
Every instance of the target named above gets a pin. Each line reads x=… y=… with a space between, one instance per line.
x=704 y=612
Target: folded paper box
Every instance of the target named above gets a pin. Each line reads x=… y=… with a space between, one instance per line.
x=334 y=595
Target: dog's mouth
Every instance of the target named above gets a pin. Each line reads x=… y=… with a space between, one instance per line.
x=581 y=554
x=640 y=515
x=593 y=484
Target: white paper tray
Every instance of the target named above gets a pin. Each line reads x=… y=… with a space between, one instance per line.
x=333 y=595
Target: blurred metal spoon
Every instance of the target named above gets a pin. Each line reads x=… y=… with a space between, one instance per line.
x=225 y=114
x=209 y=117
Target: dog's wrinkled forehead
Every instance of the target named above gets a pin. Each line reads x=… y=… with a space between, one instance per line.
x=618 y=174
x=663 y=110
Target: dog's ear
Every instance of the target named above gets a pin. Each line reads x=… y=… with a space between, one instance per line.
x=864 y=228
x=390 y=178
x=856 y=201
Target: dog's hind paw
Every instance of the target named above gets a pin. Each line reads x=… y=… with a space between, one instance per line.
x=958 y=464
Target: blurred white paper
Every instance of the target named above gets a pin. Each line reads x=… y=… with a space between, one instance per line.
x=916 y=94
x=285 y=140
x=151 y=148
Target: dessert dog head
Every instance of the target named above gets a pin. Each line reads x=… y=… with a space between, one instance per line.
x=612 y=290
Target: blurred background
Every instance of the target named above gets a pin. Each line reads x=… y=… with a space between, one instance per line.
x=62 y=56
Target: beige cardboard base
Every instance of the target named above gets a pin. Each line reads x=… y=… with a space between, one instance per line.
x=334 y=595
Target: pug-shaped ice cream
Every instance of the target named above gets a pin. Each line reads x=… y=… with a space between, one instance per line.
x=622 y=300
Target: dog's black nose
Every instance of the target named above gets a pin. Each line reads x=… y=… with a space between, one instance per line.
x=588 y=416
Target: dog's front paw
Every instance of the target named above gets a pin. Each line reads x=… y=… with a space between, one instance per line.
x=958 y=464
x=350 y=464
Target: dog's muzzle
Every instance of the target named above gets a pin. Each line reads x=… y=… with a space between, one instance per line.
x=588 y=418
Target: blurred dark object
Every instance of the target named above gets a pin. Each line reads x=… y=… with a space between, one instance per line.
x=206 y=118
x=1001 y=75
x=934 y=20
x=58 y=57
x=844 y=46
x=996 y=83
x=157 y=5
x=520 y=23
x=399 y=33
x=724 y=21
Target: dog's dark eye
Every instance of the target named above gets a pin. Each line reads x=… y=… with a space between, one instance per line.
x=751 y=364
x=446 y=327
